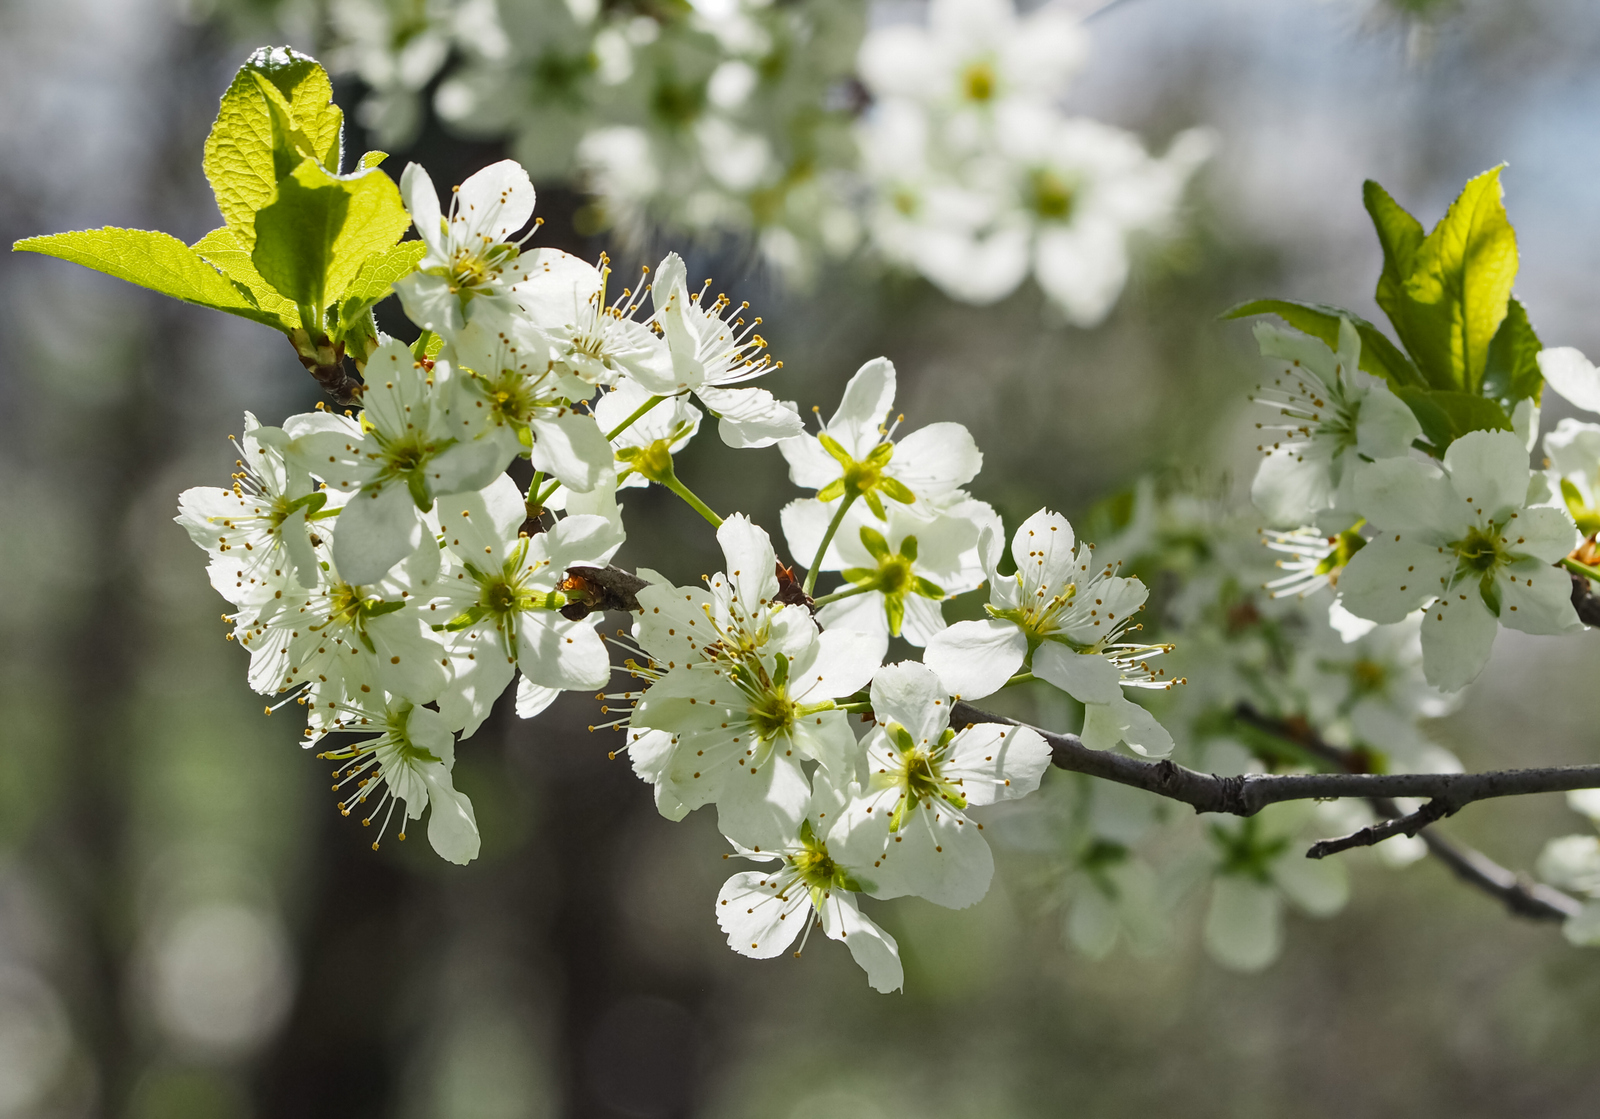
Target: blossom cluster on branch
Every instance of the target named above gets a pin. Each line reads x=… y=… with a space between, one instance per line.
x=397 y=563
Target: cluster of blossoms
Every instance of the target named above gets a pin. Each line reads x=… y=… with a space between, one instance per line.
x=393 y=570
x=389 y=576
x=943 y=148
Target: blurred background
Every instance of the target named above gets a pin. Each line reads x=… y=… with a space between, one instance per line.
x=189 y=929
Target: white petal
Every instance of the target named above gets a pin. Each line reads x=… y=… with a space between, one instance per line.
x=866 y=401
x=873 y=949
x=1043 y=551
x=759 y=923
x=995 y=762
x=934 y=460
x=810 y=466
x=1293 y=485
x=495 y=202
x=452 y=825
x=940 y=855
x=1457 y=637
x=1388 y=579
x=1544 y=533
x=974 y=659
x=751 y=564
x=1385 y=427
x=479 y=526
x=422 y=202
x=751 y=417
x=1086 y=677
x=375 y=531
x=1489 y=469
x=533 y=699
x=846 y=661
x=1409 y=497
x=1536 y=598
x=911 y=694
x=1570 y=373
x=570 y=447
x=556 y=652
x=430 y=302
x=764 y=808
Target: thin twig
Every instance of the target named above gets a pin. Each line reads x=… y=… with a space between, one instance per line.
x=1243 y=796
x=1407 y=824
x=1250 y=793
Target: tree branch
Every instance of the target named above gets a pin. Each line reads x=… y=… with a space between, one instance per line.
x=1244 y=796
x=1248 y=794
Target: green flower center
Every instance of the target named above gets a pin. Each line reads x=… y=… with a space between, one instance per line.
x=1050 y=196
x=978 y=81
x=772 y=713
x=1479 y=550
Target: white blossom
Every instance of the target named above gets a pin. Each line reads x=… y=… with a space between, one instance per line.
x=1465 y=539
x=763 y=911
x=498 y=601
x=911 y=821
x=496 y=374
x=713 y=352
x=471 y=261
x=257 y=532
x=855 y=456
x=592 y=338
x=1332 y=417
x=744 y=687
x=403 y=451
x=1062 y=613
x=410 y=760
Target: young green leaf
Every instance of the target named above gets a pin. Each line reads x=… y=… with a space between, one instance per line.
x=1456 y=292
x=1512 y=371
x=239 y=160
x=1400 y=235
x=296 y=235
x=1446 y=415
x=154 y=260
x=221 y=248
x=355 y=327
x=1379 y=356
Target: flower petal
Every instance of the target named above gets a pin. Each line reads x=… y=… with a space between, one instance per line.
x=974 y=659
x=1457 y=637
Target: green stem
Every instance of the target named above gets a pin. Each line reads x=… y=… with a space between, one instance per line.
x=419 y=348
x=533 y=487
x=1019 y=678
x=854 y=708
x=1581 y=568
x=695 y=503
x=555 y=484
x=827 y=538
x=837 y=595
x=637 y=412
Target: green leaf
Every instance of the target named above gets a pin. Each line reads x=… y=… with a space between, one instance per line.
x=1446 y=415
x=320 y=231
x=296 y=233
x=1400 y=235
x=1512 y=371
x=376 y=220
x=1454 y=298
x=239 y=153
x=154 y=260
x=371 y=286
x=1379 y=356
x=221 y=248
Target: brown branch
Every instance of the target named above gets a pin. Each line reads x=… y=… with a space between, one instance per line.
x=1406 y=824
x=1583 y=599
x=1244 y=796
